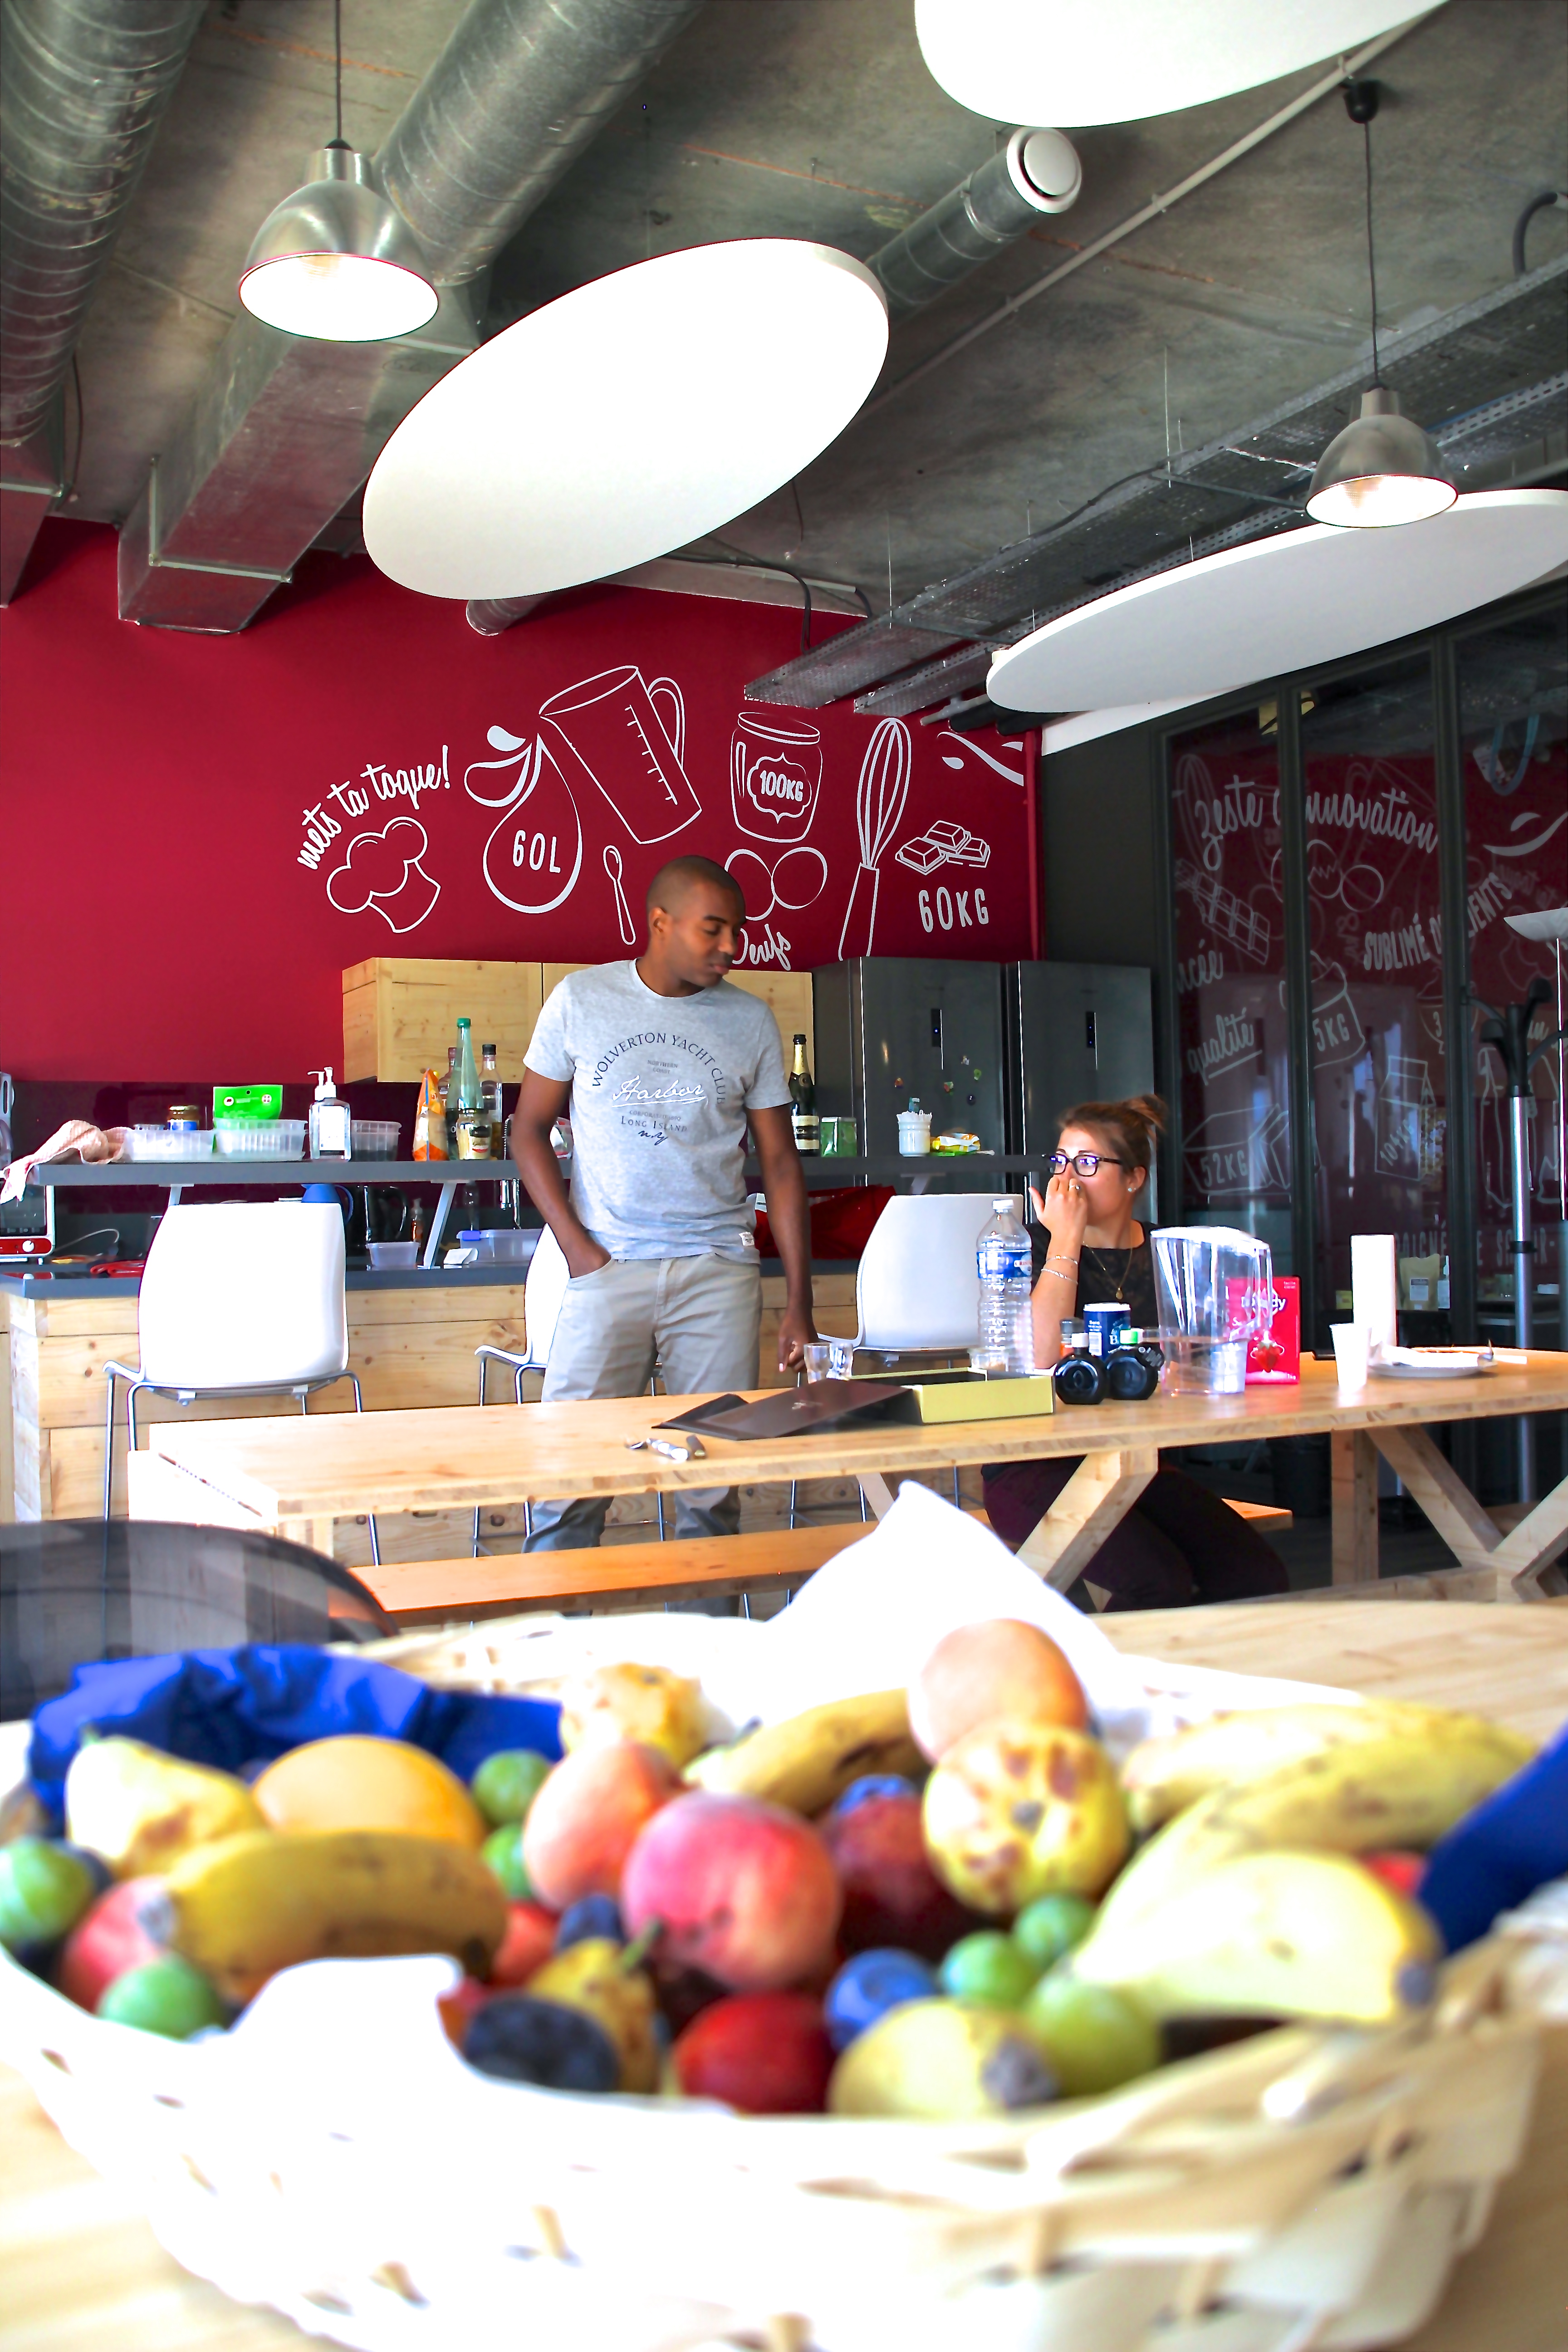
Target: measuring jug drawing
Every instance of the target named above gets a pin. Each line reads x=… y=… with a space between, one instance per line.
x=611 y=733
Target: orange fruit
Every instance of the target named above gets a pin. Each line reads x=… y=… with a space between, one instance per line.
x=357 y=1783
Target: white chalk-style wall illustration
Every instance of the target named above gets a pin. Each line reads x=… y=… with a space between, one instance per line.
x=534 y=854
x=609 y=732
x=775 y=776
x=384 y=871
x=879 y=797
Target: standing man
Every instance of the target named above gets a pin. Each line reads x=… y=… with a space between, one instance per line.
x=661 y=1064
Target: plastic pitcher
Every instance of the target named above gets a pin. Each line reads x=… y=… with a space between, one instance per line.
x=1215 y=1289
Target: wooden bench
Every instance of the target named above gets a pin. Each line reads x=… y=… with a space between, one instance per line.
x=428 y=1591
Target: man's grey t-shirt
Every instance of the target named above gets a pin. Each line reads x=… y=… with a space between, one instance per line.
x=660 y=1089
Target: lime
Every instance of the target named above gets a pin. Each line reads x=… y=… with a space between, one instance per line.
x=503 y=1852
x=988 y=1967
x=507 y=1783
x=44 y=1890
x=1051 y=1925
x=166 y=1996
x=1094 y=2037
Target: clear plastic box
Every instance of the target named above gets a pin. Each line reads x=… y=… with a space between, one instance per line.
x=373 y=1139
x=260 y=1139
x=170 y=1143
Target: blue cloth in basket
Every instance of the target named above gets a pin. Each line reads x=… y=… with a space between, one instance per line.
x=236 y=1707
x=1514 y=1843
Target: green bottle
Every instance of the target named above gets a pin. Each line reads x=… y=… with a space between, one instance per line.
x=472 y=1123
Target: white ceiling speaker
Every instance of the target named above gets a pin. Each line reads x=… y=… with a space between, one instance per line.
x=1309 y=596
x=1086 y=61
x=627 y=419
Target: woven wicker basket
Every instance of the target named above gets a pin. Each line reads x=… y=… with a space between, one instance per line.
x=333 y=2157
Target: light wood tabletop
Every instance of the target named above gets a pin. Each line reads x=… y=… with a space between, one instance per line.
x=84 y=2273
x=298 y=1475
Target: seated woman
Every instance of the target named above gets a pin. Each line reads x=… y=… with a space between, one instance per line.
x=1179 y=1543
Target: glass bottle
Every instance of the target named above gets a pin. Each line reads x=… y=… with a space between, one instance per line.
x=803 y=1116
x=473 y=1120
x=490 y=1086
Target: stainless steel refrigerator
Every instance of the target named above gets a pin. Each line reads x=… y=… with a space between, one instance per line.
x=894 y=1029
x=1075 y=1032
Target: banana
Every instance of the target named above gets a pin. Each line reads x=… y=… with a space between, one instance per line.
x=243 y=1908
x=809 y=1760
x=1163 y=1775
x=1405 y=1789
x=142 y=1810
x=1272 y=1934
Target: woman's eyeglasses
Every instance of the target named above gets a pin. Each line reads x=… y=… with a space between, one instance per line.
x=1083 y=1163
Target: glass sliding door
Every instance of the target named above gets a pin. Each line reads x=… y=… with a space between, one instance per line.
x=1513 y=727
x=1380 y=1086
x=1229 y=927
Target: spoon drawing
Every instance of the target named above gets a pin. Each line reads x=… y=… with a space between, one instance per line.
x=623 y=913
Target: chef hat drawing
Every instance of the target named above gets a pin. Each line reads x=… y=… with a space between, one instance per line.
x=382 y=870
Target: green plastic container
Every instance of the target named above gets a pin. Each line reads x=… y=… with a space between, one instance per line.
x=246 y=1103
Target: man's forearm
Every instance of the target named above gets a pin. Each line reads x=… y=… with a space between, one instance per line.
x=784 y=1188
x=541 y=1173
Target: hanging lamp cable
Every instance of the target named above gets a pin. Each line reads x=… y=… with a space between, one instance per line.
x=338 y=67
x=1371 y=255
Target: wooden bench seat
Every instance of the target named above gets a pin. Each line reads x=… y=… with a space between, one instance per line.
x=427 y=1590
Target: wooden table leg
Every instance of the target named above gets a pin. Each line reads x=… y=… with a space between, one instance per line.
x=1102 y=1490
x=1352 y=1465
x=1520 y=1559
x=316 y=1535
x=878 y=1493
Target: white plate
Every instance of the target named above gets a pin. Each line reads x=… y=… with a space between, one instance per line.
x=1434 y=1364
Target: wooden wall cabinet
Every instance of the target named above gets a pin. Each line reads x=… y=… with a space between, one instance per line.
x=786 y=994
x=400 y=1014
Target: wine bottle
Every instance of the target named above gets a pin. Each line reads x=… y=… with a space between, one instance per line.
x=803 y=1116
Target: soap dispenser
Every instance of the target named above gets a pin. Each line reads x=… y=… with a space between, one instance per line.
x=329 y=1133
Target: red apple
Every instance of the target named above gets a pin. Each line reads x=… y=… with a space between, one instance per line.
x=743 y=1890
x=106 y=1941
x=583 y=1823
x=528 y=1942
x=892 y=1894
x=766 y=2053
x=1397 y=1867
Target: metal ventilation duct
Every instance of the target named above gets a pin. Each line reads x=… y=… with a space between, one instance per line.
x=283 y=433
x=83 y=85
x=1037 y=171
x=1486 y=379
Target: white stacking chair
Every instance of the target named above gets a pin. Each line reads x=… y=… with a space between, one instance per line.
x=238 y=1298
x=917 y=1286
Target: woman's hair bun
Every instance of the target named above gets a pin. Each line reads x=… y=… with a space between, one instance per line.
x=1127 y=1128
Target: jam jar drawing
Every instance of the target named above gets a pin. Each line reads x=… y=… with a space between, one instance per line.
x=775 y=776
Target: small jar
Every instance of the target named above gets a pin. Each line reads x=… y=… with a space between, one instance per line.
x=186 y=1116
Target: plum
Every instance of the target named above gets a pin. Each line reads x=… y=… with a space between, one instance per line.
x=525 y=2039
x=766 y=2052
x=870 y=1985
x=892 y=1894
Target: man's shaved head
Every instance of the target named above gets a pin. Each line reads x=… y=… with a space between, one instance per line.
x=673 y=885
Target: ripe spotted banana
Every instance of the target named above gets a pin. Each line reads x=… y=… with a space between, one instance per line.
x=248 y=1906
x=1163 y=1775
x=1405 y=1789
x=809 y=1760
x=1272 y=1934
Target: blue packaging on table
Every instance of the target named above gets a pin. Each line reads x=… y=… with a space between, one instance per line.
x=232 y=1708
x=1513 y=1842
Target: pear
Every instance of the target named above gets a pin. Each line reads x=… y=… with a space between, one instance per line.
x=948 y=2060
x=142 y=1810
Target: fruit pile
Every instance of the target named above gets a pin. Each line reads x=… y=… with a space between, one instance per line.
x=943 y=1902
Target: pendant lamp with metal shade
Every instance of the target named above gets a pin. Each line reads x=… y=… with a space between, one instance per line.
x=336 y=261
x=1383 y=470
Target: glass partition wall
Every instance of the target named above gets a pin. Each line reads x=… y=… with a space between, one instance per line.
x=1342 y=855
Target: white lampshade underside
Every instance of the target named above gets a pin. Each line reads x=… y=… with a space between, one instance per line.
x=1084 y=61
x=1380 y=501
x=626 y=419
x=340 y=298
x=1313 y=595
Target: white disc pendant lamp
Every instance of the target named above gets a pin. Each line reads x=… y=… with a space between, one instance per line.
x=1080 y=62
x=626 y=419
x=1312 y=595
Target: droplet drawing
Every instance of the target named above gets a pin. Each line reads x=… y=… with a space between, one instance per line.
x=545 y=843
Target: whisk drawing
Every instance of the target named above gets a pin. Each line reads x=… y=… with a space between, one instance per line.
x=879 y=798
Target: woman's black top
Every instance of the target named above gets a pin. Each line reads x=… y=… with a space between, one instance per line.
x=1106 y=1274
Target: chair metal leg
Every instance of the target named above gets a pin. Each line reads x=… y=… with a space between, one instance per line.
x=109 y=1444
x=659 y=1497
x=352 y=1380
x=957 y=1497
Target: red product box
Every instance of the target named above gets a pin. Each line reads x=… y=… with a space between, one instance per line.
x=1275 y=1359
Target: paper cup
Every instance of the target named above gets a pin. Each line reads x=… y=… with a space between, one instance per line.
x=1353 y=1352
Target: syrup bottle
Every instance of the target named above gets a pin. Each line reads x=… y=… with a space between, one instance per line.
x=1077 y=1377
x=1132 y=1369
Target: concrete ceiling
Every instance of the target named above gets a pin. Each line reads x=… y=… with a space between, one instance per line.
x=817 y=118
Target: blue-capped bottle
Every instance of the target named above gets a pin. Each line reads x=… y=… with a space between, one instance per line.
x=1006 y=1265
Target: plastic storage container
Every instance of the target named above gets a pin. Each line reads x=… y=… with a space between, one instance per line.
x=388 y=1257
x=373 y=1139
x=170 y=1143
x=260 y=1139
x=498 y=1244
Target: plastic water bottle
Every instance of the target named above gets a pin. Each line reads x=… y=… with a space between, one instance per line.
x=1006 y=1270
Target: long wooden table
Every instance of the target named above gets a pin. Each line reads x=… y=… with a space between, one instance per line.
x=83 y=2271
x=299 y=1476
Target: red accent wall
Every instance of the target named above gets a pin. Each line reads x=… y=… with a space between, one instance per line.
x=195 y=850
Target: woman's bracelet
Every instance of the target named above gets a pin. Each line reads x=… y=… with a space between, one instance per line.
x=1054 y=1266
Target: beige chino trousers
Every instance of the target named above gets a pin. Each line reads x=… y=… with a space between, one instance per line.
x=698 y=1318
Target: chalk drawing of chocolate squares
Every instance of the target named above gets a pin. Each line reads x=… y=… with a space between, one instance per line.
x=963 y=847
x=382 y=870
x=922 y=854
x=613 y=735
